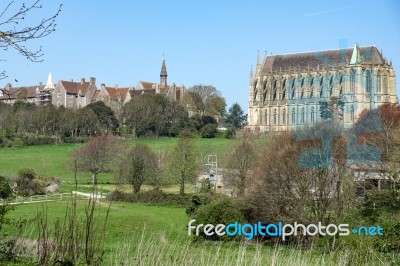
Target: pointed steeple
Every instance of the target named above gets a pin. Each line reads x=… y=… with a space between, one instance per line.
x=258 y=66
x=251 y=71
x=355 y=57
x=49 y=84
x=163 y=74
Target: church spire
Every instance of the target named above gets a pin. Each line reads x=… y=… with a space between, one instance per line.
x=49 y=84
x=258 y=66
x=355 y=57
x=163 y=74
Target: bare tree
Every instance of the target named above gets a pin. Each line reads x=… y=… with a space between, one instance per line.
x=96 y=155
x=15 y=33
x=302 y=179
x=240 y=160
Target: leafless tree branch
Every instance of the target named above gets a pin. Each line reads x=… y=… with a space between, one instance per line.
x=14 y=35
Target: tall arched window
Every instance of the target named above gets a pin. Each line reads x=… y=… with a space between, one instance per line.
x=385 y=77
x=368 y=81
x=312 y=114
x=275 y=117
x=379 y=77
x=284 y=89
x=352 y=81
x=284 y=116
x=302 y=115
x=321 y=87
x=352 y=113
x=266 y=117
x=274 y=90
x=293 y=117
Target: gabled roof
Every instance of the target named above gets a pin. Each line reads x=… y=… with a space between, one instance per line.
x=12 y=93
x=327 y=59
x=74 y=87
x=145 y=85
x=95 y=94
x=117 y=92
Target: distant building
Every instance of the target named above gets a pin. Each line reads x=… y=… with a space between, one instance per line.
x=36 y=94
x=74 y=95
x=114 y=97
x=172 y=92
x=291 y=90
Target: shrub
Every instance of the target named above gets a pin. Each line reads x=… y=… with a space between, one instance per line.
x=208 y=131
x=154 y=196
x=230 y=133
x=221 y=210
x=5 y=189
x=28 y=184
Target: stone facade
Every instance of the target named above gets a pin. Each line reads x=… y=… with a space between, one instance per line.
x=291 y=90
x=36 y=94
x=74 y=95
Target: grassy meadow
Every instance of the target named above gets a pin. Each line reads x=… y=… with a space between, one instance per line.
x=138 y=234
x=52 y=160
x=141 y=234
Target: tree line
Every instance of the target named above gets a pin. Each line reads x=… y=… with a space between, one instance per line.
x=145 y=115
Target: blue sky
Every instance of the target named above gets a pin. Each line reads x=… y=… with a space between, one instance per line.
x=207 y=42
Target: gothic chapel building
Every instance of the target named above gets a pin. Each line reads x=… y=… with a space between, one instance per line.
x=289 y=90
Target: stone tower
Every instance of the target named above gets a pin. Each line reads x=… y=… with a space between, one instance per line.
x=163 y=75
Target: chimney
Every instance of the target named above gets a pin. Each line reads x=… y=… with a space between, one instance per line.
x=116 y=86
x=92 y=81
x=82 y=80
x=102 y=85
x=72 y=80
x=40 y=84
x=8 y=86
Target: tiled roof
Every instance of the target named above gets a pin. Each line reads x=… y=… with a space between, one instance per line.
x=74 y=87
x=313 y=60
x=117 y=92
x=140 y=92
x=12 y=93
x=147 y=85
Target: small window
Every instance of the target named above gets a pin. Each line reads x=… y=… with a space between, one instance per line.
x=58 y=94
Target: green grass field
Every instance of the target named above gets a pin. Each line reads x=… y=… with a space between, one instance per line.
x=138 y=234
x=52 y=160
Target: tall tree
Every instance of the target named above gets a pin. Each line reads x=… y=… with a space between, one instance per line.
x=105 y=116
x=183 y=164
x=96 y=155
x=140 y=165
x=18 y=29
x=235 y=118
x=241 y=159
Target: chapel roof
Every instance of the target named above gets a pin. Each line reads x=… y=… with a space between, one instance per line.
x=320 y=59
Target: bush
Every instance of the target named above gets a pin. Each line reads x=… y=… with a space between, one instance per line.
x=208 y=131
x=30 y=140
x=28 y=184
x=154 y=196
x=5 y=189
x=221 y=210
x=230 y=133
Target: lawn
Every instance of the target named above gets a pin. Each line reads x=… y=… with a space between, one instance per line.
x=52 y=160
x=138 y=234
